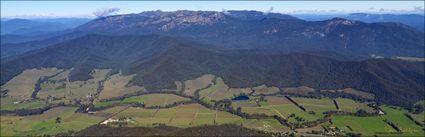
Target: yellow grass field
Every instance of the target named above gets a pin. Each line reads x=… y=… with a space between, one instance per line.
x=118 y=85
x=220 y=91
x=195 y=115
x=263 y=89
x=192 y=85
x=303 y=90
x=155 y=99
x=72 y=90
x=23 y=84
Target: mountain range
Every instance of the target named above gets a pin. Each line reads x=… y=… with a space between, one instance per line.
x=414 y=20
x=245 y=48
x=28 y=26
x=253 y=30
x=24 y=30
x=283 y=33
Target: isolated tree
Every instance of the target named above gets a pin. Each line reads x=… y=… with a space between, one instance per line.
x=239 y=110
x=418 y=108
x=58 y=120
x=361 y=112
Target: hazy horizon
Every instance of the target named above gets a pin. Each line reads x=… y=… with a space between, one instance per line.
x=66 y=9
x=93 y=17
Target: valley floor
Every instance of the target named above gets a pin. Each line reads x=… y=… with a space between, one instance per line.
x=60 y=107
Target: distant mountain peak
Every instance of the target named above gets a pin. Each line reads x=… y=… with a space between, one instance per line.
x=184 y=18
x=340 y=21
x=163 y=21
x=257 y=15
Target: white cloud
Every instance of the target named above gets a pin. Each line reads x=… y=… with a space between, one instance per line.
x=418 y=9
x=105 y=12
x=269 y=11
x=225 y=11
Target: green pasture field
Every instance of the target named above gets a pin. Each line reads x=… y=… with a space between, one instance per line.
x=280 y=106
x=283 y=110
x=53 y=113
x=106 y=103
x=8 y=103
x=396 y=115
x=420 y=116
x=270 y=125
x=349 y=105
x=276 y=105
x=316 y=105
x=45 y=124
x=114 y=109
x=155 y=99
x=375 y=125
x=194 y=115
x=367 y=126
x=180 y=116
x=326 y=104
x=148 y=100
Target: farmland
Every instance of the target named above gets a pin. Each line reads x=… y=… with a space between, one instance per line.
x=326 y=104
x=280 y=106
x=155 y=99
x=303 y=90
x=275 y=106
x=205 y=100
x=9 y=103
x=202 y=82
x=194 y=115
x=116 y=85
x=367 y=126
x=263 y=89
x=46 y=123
x=349 y=105
x=219 y=91
x=59 y=86
x=23 y=85
x=376 y=125
x=180 y=116
x=421 y=115
x=148 y=100
x=407 y=126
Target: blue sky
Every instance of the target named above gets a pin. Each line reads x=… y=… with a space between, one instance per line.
x=85 y=9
